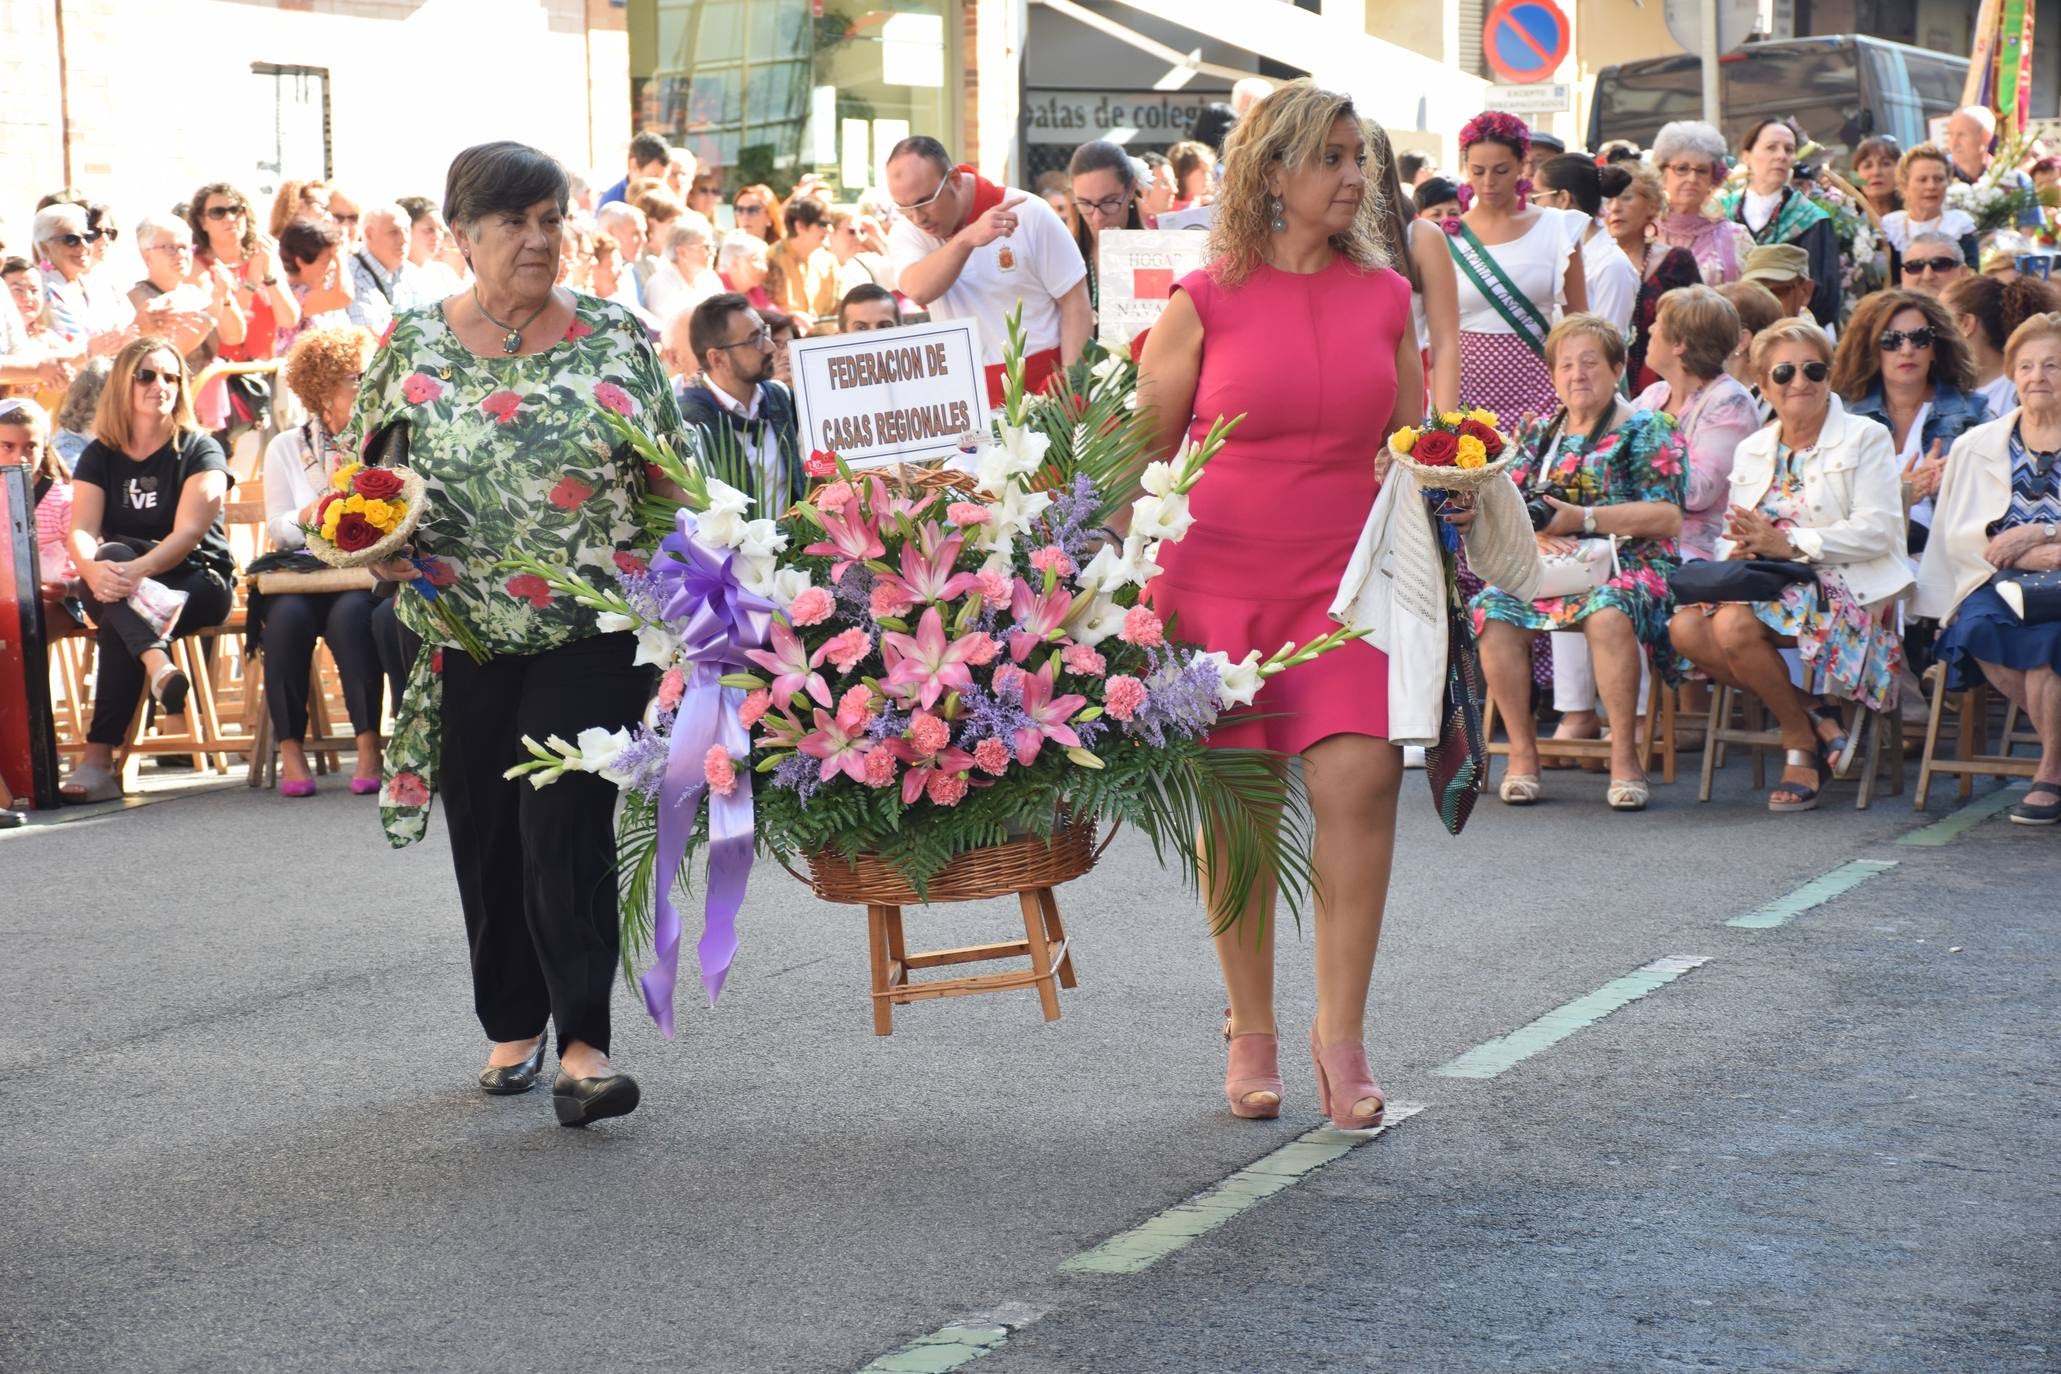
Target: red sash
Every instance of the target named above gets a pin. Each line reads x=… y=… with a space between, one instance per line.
x=1038 y=369
x=986 y=195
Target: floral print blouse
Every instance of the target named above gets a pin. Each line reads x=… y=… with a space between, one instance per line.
x=517 y=459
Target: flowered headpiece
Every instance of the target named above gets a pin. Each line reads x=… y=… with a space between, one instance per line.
x=1494 y=126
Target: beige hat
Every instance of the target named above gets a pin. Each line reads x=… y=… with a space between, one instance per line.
x=1779 y=263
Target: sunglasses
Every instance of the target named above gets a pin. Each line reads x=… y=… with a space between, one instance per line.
x=747 y=210
x=1893 y=340
x=219 y=212
x=79 y=240
x=1923 y=265
x=1782 y=374
x=150 y=376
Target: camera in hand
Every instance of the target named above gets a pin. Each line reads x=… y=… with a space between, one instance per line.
x=1541 y=513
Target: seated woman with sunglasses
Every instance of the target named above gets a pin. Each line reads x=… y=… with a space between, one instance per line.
x=147 y=500
x=1999 y=514
x=1818 y=487
x=1902 y=364
x=81 y=308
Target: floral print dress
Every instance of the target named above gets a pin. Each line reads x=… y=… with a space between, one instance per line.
x=517 y=459
x=1857 y=655
x=1639 y=460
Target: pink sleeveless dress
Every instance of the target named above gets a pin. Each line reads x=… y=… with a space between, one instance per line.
x=1309 y=360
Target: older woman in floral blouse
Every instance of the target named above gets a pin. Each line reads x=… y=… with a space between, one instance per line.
x=503 y=388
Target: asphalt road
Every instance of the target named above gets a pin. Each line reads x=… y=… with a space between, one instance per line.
x=241 y=1131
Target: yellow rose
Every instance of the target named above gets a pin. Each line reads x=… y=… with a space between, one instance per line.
x=1453 y=418
x=330 y=519
x=353 y=502
x=378 y=514
x=1482 y=417
x=1473 y=453
x=1403 y=440
x=344 y=474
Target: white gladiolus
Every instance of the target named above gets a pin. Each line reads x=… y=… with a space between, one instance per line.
x=598 y=751
x=1094 y=619
x=762 y=539
x=719 y=529
x=788 y=583
x=1237 y=683
x=609 y=623
x=1161 y=517
x=656 y=645
x=1003 y=464
x=724 y=499
x=1158 y=478
x=1131 y=566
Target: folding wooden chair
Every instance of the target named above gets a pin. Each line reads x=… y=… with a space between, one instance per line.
x=1970 y=758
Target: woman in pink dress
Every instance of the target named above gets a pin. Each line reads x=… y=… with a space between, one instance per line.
x=1298 y=325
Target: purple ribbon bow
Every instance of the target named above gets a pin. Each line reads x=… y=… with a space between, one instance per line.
x=717 y=620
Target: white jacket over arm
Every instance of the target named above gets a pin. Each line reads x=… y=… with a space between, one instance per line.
x=1974 y=493
x=1395 y=589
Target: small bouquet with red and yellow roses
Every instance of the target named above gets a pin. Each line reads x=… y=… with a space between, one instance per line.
x=1459 y=450
x=368 y=516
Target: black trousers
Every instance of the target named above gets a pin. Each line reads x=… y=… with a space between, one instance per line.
x=125 y=636
x=537 y=866
x=292 y=623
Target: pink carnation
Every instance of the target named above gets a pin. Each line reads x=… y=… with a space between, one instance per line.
x=755 y=706
x=966 y=514
x=720 y=771
x=880 y=768
x=928 y=734
x=1006 y=674
x=812 y=607
x=890 y=599
x=1142 y=628
x=671 y=688
x=981 y=649
x=947 y=789
x=995 y=589
x=834 y=496
x=991 y=756
x=1123 y=696
x=855 y=707
x=846 y=649
x=1052 y=558
x=1079 y=658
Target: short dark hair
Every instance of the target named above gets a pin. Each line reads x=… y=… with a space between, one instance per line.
x=711 y=320
x=1614 y=180
x=860 y=294
x=647 y=148
x=925 y=147
x=805 y=212
x=418 y=207
x=303 y=241
x=1407 y=165
x=1576 y=175
x=13 y=265
x=502 y=178
x=1435 y=191
x=196 y=215
x=1213 y=124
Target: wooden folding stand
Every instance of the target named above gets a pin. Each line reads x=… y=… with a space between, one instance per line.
x=1028 y=868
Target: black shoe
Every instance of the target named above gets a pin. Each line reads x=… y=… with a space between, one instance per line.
x=516 y=1078
x=2030 y=812
x=169 y=691
x=580 y=1100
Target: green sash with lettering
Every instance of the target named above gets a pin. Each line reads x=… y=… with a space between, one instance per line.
x=1513 y=305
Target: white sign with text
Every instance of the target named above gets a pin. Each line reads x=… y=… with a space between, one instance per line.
x=1135 y=272
x=891 y=395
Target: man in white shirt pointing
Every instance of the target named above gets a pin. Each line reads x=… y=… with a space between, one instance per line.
x=967 y=248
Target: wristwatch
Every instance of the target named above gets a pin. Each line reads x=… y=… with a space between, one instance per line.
x=268 y=281
x=2049 y=532
x=1588 y=519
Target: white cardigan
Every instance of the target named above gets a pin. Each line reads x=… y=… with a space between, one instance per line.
x=1852 y=493
x=1395 y=588
x=1974 y=492
x=294 y=477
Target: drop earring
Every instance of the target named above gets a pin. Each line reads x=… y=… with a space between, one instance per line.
x=1280 y=225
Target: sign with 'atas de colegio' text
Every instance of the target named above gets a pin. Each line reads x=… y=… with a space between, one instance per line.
x=891 y=395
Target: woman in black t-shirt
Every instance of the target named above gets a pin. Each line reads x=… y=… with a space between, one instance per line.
x=147 y=500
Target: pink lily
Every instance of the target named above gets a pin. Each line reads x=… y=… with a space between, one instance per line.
x=927 y=574
x=1039 y=617
x=1051 y=714
x=789 y=661
x=854 y=536
x=926 y=661
x=842 y=751
x=921 y=766
x=779 y=730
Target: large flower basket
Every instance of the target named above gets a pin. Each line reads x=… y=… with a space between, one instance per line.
x=1027 y=868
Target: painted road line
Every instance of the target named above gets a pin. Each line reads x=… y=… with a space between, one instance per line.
x=945 y=1349
x=1814 y=893
x=1488 y=1060
x=1955 y=824
x=1146 y=1244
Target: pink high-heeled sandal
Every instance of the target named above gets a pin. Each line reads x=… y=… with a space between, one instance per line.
x=1345 y=1065
x=1254 y=1068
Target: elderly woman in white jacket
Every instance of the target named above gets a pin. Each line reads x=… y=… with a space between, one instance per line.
x=1998 y=516
x=323 y=369
x=1818 y=487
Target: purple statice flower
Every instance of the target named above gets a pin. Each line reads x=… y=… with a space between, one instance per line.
x=891 y=723
x=992 y=715
x=1065 y=521
x=644 y=760
x=637 y=590
x=800 y=774
x=1180 y=697
x=854 y=593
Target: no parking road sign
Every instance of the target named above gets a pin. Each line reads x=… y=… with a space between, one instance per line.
x=1525 y=40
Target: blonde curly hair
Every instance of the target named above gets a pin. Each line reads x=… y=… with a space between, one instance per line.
x=1288 y=127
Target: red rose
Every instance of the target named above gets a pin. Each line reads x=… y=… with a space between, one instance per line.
x=821 y=463
x=323 y=505
x=376 y=484
x=1436 y=448
x=1490 y=440
x=355 y=533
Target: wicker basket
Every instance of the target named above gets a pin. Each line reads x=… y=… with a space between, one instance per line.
x=997 y=871
x=1456 y=479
